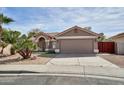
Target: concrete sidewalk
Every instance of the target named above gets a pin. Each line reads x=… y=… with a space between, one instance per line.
x=77 y=70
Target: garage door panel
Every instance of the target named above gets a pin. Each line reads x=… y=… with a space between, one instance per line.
x=76 y=46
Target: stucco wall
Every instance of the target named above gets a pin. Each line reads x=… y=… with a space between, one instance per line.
x=121 y=39
x=120 y=47
x=76 y=33
x=96 y=46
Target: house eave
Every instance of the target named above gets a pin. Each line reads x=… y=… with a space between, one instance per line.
x=77 y=37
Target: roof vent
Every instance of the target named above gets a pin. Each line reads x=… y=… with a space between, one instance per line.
x=76 y=30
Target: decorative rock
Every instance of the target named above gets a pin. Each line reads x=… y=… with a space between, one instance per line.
x=33 y=58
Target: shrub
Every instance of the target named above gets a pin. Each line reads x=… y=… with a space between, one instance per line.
x=24 y=47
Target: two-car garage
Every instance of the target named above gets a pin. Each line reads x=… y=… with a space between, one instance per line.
x=76 y=46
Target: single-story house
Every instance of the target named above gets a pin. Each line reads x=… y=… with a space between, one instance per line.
x=118 y=38
x=72 y=40
x=119 y=41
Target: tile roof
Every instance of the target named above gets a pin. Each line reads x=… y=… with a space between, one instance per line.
x=52 y=34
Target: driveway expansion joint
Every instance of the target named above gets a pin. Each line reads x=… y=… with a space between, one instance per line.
x=84 y=70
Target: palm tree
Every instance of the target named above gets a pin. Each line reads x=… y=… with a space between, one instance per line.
x=24 y=47
x=10 y=37
x=4 y=20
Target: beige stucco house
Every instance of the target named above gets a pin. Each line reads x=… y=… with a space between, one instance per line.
x=72 y=40
x=119 y=43
x=118 y=37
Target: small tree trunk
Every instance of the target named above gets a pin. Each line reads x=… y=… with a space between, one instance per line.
x=25 y=53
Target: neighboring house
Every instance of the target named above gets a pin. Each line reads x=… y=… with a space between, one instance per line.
x=118 y=37
x=72 y=40
x=119 y=40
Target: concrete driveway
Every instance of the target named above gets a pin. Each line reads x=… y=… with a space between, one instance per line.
x=80 y=60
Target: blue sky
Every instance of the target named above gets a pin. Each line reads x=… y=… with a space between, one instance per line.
x=107 y=20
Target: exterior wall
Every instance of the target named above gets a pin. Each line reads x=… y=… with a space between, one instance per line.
x=121 y=39
x=71 y=45
x=56 y=45
x=95 y=46
x=47 y=45
x=120 y=48
x=48 y=42
x=42 y=35
x=57 y=49
x=51 y=45
x=76 y=33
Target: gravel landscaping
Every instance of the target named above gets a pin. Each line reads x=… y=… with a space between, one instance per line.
x=115 y=59
x=16 y=59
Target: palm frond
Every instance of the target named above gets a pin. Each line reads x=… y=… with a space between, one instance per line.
x=5 y=19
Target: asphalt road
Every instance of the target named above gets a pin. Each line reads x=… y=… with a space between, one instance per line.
x=57 y=80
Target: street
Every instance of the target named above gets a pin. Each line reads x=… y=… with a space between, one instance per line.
x=57 y=80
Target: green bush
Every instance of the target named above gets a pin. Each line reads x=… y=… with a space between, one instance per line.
x=24 y=47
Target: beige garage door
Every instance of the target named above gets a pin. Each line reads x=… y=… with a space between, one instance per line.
x=76 y=46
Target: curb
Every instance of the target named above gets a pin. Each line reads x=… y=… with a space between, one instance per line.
x=68 y=70
x=65 y=75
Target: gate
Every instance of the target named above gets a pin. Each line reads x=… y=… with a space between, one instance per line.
x=106 y=47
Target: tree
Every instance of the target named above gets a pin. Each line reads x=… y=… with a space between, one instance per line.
x=10 y=37
x=24 y=46
x=33 y=32
x=21 y=44
x=4 y=20
x=101 y=38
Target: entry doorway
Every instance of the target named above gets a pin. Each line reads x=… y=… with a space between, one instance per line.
x=42 y=44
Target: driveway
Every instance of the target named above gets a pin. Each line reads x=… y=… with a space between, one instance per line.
x=80 y=60
x=114 y=59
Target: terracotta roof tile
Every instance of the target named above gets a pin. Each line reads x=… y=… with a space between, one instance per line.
x=53 y=33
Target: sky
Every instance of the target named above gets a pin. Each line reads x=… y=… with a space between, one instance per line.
x=109 y=21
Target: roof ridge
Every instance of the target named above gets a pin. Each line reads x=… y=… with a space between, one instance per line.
x=84 y=28
x=118 y=35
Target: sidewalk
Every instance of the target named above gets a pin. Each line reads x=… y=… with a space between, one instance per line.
x=77 y=70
